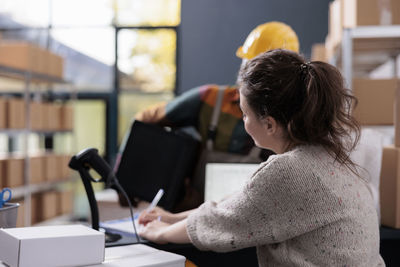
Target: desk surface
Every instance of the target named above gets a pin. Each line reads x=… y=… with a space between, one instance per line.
x=138 y=255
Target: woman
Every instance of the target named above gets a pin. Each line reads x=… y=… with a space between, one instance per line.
x=304 y=206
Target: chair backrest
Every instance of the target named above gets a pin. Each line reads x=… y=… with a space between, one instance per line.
x=154 y=158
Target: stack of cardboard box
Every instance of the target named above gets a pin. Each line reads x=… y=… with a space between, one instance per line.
x=12 y=171
x=56 y=167
x=29 y=57
x=354 y=13
x=49 y=204
x=390 y=174
x=46 y=205
x=44 y=116
x=376 y=98
x=45 y=169
x=42 y=168
x=15 y=113
x=51 y=116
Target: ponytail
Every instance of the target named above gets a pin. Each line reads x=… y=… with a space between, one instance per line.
x=308 y=99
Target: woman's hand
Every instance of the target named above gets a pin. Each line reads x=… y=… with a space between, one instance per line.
x=155 y=214
x=153 y=231
x=162 y=233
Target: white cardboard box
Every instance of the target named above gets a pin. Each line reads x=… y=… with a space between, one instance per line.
x=60 y=245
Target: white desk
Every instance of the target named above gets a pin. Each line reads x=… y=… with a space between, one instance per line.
x=140 y=255
x=137 y=256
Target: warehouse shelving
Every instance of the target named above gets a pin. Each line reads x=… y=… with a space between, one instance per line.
x=365 y=48
x=362 y=50
x=28 y=77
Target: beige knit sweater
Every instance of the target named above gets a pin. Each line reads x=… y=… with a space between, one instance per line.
x=299 y=208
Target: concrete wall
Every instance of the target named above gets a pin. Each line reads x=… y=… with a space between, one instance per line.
x=212 y=30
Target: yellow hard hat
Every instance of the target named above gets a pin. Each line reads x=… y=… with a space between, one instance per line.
x=268 y=36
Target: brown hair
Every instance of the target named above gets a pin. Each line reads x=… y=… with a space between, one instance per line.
x=308 y=99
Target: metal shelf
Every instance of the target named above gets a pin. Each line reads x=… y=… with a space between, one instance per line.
x=16 y=132
x=22 y=191
x=11 y=72
x=365 y=48
x=29 y=77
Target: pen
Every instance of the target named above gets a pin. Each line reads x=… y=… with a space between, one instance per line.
x=156 y=199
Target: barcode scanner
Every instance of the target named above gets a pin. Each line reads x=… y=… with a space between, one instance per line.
x=90 y=159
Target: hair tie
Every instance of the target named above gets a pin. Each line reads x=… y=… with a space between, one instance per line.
x=305 y=68
x=305 y=65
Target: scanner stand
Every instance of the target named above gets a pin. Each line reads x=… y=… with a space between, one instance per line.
x=94 y=210
x=83 y=162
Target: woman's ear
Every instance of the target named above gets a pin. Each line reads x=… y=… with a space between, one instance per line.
x=270 y=125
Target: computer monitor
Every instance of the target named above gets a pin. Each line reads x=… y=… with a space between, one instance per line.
x=223 y=179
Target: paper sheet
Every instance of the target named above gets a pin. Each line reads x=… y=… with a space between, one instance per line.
x=123 y=226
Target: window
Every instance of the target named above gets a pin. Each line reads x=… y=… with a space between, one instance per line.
x=147 y=13
x=119 y=56
x=146 y=57
x=146 y=60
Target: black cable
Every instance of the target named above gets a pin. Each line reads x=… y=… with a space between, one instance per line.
x=119 y=187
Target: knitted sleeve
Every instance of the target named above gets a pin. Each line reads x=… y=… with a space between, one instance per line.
x=226 y=226
x=282 y=200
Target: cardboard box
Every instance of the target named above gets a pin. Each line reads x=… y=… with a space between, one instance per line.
x=51 y=168
x=46 y=56
x=375 y=100
x=329 y=48
x=57 y=109
x=21 y=55
x=44 y=206
x=67 y=245
x=3 y=113
x=36 y=172
x=65 y=202
x=42 y=62
x=15 y=110
x=396 y=117
x=335 y=22
x=2 y=173
x=51 y=116
x=46 y=116
x=36 y=116
x=369 y=12
x=395 y=10
x=13 y=172
x=64 y=170
x=318 y=53
x=56 y=65
x=21 y=213
x=390 y=187
x=36 y=208
x=49 y=202
x=67 y=117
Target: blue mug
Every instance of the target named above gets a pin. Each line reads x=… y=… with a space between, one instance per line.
x=3 y=196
